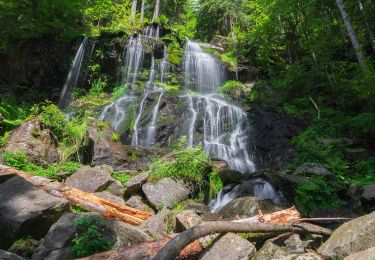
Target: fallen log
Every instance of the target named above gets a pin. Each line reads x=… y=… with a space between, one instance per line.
x=88 y=201
x=177 y=244
x=146 y=251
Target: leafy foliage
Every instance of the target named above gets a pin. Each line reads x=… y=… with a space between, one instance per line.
x=188 y=164
x=121 y=177
x=316 y=194
x=89 y=238
x=20 y=161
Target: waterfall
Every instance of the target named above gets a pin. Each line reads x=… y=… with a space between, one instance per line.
x=73 y=75
x=164 y=65
x=116 y=113
x=133 y=60
x=156 y=10
x=151 y=131
x=203 y=72
x=259 y=188
x=152 y=32
x=193 y=120
x=142 y=11
x=133 y=10
x=135 y=139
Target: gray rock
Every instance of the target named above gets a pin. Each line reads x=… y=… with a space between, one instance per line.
x=160 y=225
x=26 y=210
x=116 y=189
x=109 y=196
x=311 y=169
x=91 y=179
x=166 y=192
x=187 y=219
x=368 y=193
x=4 y=255
x=247 y=207
x=138 y=203
x=35 y=140
x=270 y=251
x=367 y=254
x=57 y=244
x=231 y=247
x=24 y=247
x=134 y=185
x=352 y=237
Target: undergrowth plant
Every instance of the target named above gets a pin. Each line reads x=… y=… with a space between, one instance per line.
x=188 y=164
x=89 y=238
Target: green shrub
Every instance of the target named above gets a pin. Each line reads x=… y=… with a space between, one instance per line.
x=188 y=164
x=89 y=239
x=317 y=194
x=20 y=161
x=215 y=184
x=4 y=139
x=121 y=177
x=116 y=137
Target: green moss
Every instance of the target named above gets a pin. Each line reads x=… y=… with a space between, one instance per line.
x=121 y=177
x=115 y=137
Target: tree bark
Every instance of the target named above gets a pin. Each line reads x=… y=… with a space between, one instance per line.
x=352 y=35
x=176 y=245
x=147 y=250
x=89 y=201
x=370 y=33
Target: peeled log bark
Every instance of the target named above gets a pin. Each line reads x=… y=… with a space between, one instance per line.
x=86 y=200
x=172 y=249
x=147 y=250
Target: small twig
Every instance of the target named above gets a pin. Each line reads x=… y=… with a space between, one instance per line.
x=316 y=106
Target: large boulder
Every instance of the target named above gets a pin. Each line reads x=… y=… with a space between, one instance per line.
x=229 y=246
x=160 y=225
x=35 y=140
x=134 y=185
x=311 y=169
x=247 y=207
x=352 y=237
x=57 y=244
x=26 y=210
x=166 y=192
x=104 y=149
x=137 y=202
x=368 y=193
x=4 y=255
x=91 y=179
x=187 y=219
x=367 y=254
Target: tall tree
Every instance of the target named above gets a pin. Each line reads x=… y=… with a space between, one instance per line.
x=351 y=32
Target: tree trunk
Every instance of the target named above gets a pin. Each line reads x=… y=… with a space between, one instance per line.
x=352 y=35
x=370 y=33
x=89 y=201
x=143 y=11
x=176 y=245
x=146 y=251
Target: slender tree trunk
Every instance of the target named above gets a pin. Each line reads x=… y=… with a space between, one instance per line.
x=370 y=33
x=133 y=10
x=352 y=35
x=143 y=11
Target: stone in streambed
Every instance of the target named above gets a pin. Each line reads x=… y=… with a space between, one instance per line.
x=91 y=179
x=165 y=193
x=160 y=225
x=229 y=246
x=137 y=202
x=109 y=196
x=134 y=185
x=187 y=219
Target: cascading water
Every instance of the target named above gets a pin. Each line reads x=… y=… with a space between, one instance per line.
x=73 y=75
x=151 y=131
x=156 y=11
x=203 y=72
x=258 y=188
x=133 y=9
x=133 y=60
x=164 y=65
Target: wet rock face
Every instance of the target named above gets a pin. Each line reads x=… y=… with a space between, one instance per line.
x=26 y=211
x=229 y=246
x=352 y=237
x=35 y=140
x=273 y=131
x=165 y=193
x=4 y=255
x=247 y=207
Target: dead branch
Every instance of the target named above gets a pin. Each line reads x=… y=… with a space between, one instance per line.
x=89 y=201
x=176 y=245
